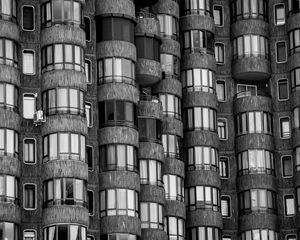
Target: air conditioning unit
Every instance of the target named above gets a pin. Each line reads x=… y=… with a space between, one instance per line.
x=39 y=118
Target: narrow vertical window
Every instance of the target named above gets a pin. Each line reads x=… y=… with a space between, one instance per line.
x=281 y=53
x=89 y=156
x=29 y=199
x=279 y=14
x=218 y=16
x=221 y=91
x=29 y=154
x=28 y=62
x=225 y=206
x=291 y=237
x=28 y=18
x=90 y=198
x=283 y=89
x=219 y=53
x=28 y=105
x=87 y=28
x=224 y=167
x=289 y=205
x=287 y=166
x=285 y=130
x=88 y=70
x=89 y=114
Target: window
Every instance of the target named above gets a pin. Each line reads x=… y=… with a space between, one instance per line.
x=289 y=205
x=257 y=200
x=197 y=41
x=90 y=201
x=279 y=14
x=249 y=9
x=28 y=18
x=9 y=231
x=197 y=79
x=88 y=70
x=90 y=158
x=172 y=145
x=170 y=65
x=175 y=228
x=281 y=55
x=61 y=12
x=298 y=198
x=62 y=56
x=118 y=157
x=201 y=118
x=285 y=131
x=174 y=187
x=149 y=129
x=29 y=198
x=295 y=78
x=224 y=167
x=256 y=161
x=259 y=234
x=29 y=235
x=254 y=122
x=150 y=172
x=287 y=166
x=64 y=146
x=8 y=52
x=294 y=37
x=89 y=114
x=226 y=238
x=201 y=7
x=28 y=105
x=65 y=191
x=9 y=95
x=9 y=189
x=28 y=62
x=202 y=197
x=119 y=201
x=294 y=6
x=9 y=140
x=220 y=53
x=65 y=231
x=169 y=26
x=171 y=105
x=91 y=237
x=296 y=117
x=115 y=28
x=218 y=16
x=283 y=89
x=87 y=28
x=225 y=206
x=29 y=151
x=221 y=91
x=116 y=70
x=151 y=215
x=63 y=100
x=222 y=129
x=118 y=236
x=244 y=90
x=291 y=237
x=207 y=233
x=202 y=158
x=148 y=47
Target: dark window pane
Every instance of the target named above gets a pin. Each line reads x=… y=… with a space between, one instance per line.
x=87 y=28
x=28 y=18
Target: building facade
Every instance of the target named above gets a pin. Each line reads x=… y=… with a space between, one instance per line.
x=149 y=119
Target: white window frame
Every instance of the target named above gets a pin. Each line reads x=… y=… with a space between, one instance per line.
x=287 y=91
x=35 y=152
x=90 y=236
x=287 y=155
x=91 y=120
x=286 y=236
x=34 y=62
x=33 y=94
x=30 y=230
x=224 y=53
x=229 y=206
x=92 y=156
x=286 y=55
x=284 y=205
x=33 y=18
x=225 y=90
x=85 y=16
x=226 y=128
x=227 y=166
x=280 y=129
x=30 y=209
x=90 y=80
x=217 y=5
x=274 y=10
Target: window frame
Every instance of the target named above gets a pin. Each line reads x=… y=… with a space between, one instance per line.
x=223 y=49
x=22 y=17
x=224 y=120
x=280 y=127
x=35 y=196
x=288 y=89
x=282 y=166
x=23 y=105
x=221 y=9
x=35 y=151
x=32 y=51
x=275 y=14
x=226 y=198
x=227 y=167
x=285 y=198
x=30 y=230
x=286 y=51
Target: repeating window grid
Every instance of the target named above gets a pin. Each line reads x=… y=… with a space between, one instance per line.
x=171 y=105
x=289 y=205
x=244 y=90
x=287 y=159
x=29 y=151
x=202 y=158
x=285 y=127
x=150 y=172
x=197 y=41
x=220 y=53
x=218 y=10
x=90 y=201
x=90 y=237
x=259 y=234
x=256 y=161
x=28 y=6
x=226 y=206
x=174 y=187
x=175 y=228
x=298 y=198
x=294 y=7
x=52 y=231
x=202 y=197
x=221 y=90
x=172 y=146
x=90 y=157
x=222 y=129
x=169 y=26
x=224 y=167
x=119 y=206
x=27 y=199
x=29 y=234
x=282 y=82
x=29 y=62
x=151 y=215
x=279 y=14
x=291 y=237
x=10 y=189
x=278 y=57
x=297 y=158
x=77 y=154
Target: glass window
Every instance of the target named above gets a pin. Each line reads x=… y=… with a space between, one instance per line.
x=8 y=142
x=29 y=151
x=222 y=129
x=65 y=231
x=150 y=172
x=294 y=37
x=87 y=28
x=220 y=53
x=289 y=205
x=283 y=89
x=29 y=235
x=90 y=201
x=9 y=191
x=175 y=227
x=89 y=156
x=218 y=15
x=285 y=131
x=29 y=196
x=225 y=206
x=174 y=187
x=244 y=9
x=281 y=55
x=196 y=79
x=149 y=129
x=28 y=18
x=169 y=26
x=88 y=70
x=28 y=62
x=207 y=233
x=287 y=166
x=200 y=118
x=221 y=90
x=224 y=167
x=151 y=215
x=279 y=14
